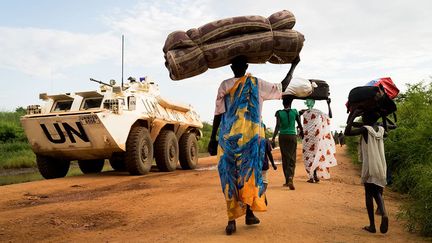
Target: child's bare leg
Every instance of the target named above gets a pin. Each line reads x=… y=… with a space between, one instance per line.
x=380 y=202
x=370 y=207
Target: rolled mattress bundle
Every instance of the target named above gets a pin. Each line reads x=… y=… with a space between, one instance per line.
x=215 y=44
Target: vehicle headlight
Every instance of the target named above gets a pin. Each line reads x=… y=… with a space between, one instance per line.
x=112 y=105
x=33 y=109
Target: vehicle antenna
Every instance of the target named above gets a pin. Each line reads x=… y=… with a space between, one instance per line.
x=122 y=61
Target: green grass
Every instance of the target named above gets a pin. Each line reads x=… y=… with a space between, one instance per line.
x=16 y=154
x=203 y=142
x=352 y=148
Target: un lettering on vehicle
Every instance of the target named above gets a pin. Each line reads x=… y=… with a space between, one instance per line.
x=65 y=132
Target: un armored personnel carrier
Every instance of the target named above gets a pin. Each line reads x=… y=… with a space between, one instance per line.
x=131 y=125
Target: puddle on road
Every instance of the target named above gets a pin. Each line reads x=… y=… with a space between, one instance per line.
x=214 y=167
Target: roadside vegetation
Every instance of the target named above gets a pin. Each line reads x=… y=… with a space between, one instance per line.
x=203 y=142
x=15 y=152
x=409 y=156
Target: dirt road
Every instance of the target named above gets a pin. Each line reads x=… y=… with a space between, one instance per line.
x=188 y=206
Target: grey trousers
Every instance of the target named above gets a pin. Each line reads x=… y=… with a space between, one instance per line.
x=288 y=148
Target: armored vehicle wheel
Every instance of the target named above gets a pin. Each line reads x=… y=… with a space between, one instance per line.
x=51 y=168
x=166 y=151
x=117 y=162
x=139 y=151
x=188 y=151
x=91 y=166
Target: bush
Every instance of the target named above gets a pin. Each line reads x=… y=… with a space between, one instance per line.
x=409 y=155
x=15 y=152
x=203 y=142
x=418 y=210
x=10 y=127
x=7 y=132
x=352 y=144
x=16 y=155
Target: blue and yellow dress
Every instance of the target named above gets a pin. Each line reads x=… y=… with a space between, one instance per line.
x=241 y=149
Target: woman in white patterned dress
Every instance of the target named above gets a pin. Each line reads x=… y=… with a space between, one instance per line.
x=318 y=144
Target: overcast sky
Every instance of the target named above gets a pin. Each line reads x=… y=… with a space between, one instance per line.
x=56 y=45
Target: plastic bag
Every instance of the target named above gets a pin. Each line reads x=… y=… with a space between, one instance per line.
x=299 y=87
x=390 y=88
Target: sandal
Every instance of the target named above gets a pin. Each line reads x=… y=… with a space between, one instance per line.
x=252 y=220
x=370 y=229
x=291 y=186
x=316 y=177
x=231 y=227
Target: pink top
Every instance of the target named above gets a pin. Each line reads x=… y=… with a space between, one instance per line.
x=266 y=90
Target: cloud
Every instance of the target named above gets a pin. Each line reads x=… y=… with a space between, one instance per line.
x=45 y=53
x=147 y=25
x=347 y=43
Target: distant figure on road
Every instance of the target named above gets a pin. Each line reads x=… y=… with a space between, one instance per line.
x=285 y=125
x=374 y=166
x=336 y=137
x=268 y=157
x=341 y=138
x=241 y=144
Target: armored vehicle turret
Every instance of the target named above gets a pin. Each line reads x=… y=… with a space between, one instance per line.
x=131 y=125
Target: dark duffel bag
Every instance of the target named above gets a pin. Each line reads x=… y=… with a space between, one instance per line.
x=321 y=92
x=371 y=98
x=364 y=98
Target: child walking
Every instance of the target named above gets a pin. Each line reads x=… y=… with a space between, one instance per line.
x=268 y=157
x=374 y=167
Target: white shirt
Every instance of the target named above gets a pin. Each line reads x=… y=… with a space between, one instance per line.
x=374 y=166
x=266 y=91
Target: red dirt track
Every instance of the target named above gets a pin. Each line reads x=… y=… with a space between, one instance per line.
x=188 y=206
